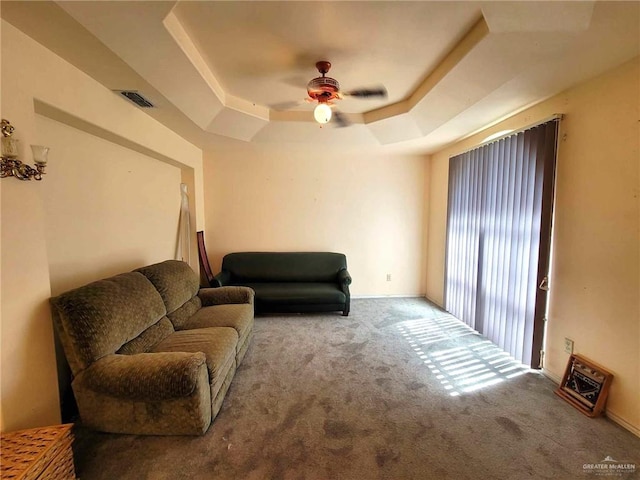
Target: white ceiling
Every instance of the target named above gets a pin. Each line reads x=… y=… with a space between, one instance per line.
x=275 y=48
x=233 y=71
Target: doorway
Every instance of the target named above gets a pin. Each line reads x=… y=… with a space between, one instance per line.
x=499 y=217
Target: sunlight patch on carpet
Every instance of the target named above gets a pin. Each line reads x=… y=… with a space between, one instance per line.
x=460 y=358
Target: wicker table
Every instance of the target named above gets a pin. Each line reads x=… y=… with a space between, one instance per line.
x=38 y=453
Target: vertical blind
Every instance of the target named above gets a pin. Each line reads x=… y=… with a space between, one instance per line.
x=499 y=196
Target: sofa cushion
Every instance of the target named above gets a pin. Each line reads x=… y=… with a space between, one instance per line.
x=174 y=280
x=298 y=293
x=218 y=344
x=238 y=316
x=99 y=318
x=249 y=267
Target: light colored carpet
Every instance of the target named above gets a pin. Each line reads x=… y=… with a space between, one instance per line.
x=397 y=390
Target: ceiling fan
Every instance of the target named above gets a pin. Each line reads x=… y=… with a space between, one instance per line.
x=325 y=90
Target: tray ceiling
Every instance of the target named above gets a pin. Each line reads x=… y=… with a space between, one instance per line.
x=233 y=71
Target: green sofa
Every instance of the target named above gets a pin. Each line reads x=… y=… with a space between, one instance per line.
x=151 y=352
x=290 y=281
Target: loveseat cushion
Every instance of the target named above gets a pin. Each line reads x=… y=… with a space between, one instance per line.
x=308 y=293
x=97 y=319
x=181 y=315
x=147 y=339
x=218 y=344
x=176 y=282
x=238 y=316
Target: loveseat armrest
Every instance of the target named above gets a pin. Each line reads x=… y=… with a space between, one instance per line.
x=221 y=279
x=147 y=376
x=344 y=280
x=226 y=295
x=343 y=277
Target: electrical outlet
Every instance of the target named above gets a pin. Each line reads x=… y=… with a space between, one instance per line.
x=388 y=277
x=568 y=345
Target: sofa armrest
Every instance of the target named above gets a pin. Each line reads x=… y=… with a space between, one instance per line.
x=225 y=295
x=146 y=376
x=343 y=277
x=221 y=279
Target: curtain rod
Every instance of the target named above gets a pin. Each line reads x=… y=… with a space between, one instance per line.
x=555 y=116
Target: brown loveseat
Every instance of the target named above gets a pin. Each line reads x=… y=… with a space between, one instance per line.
x=151 y=352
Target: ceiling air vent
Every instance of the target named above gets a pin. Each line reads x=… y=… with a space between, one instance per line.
x=136 y=98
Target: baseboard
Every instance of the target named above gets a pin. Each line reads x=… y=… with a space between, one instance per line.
x=434 y=302
x=551 y=376
x=388 y=296
x=623 y=423
x=614 y=418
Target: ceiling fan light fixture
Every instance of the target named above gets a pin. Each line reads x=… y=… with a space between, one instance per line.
x=322 y=113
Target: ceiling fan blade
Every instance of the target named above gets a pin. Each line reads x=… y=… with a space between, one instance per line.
x=368 y=92
x=282 y=106
x=298 y=81
x=340 y=120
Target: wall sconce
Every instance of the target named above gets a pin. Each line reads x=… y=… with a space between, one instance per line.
x=10 y=166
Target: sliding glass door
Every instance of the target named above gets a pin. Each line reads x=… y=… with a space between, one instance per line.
x=498 y=238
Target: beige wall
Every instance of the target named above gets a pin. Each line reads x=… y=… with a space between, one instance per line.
x=595 y=278
x=292 y=198
x=107 y=209
x=27 y=361
x=109 y=202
